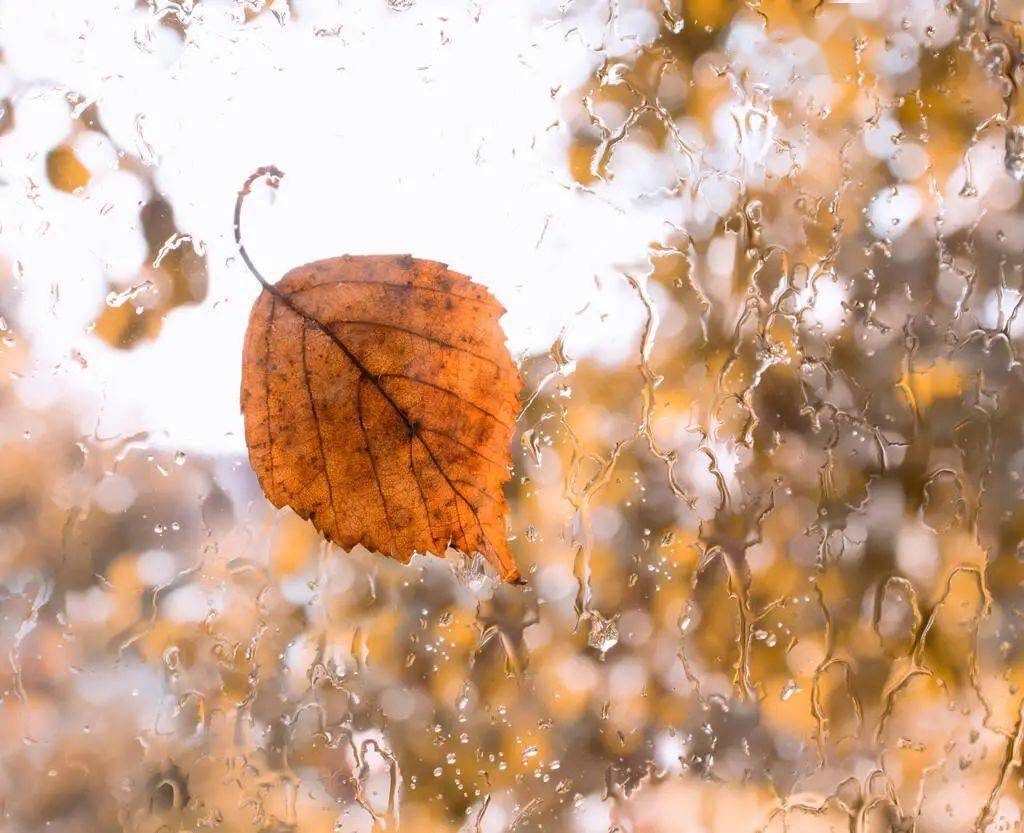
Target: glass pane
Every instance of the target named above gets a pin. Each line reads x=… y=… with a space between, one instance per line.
x=761 y=266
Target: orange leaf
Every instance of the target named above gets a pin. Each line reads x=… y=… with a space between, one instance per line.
x=380 y=402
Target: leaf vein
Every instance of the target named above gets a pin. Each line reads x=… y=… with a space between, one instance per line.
x=399 y=286
x=373 y=462
x=355 y=322
x=426 y=383
x=316 y=422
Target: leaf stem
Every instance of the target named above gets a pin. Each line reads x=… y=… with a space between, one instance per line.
x=273 y=176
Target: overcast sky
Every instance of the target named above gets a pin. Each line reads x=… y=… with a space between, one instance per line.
x=440 y=130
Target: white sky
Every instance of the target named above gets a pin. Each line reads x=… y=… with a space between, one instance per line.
x=431 y=131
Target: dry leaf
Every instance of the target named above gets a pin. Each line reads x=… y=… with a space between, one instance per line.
x=380 y=402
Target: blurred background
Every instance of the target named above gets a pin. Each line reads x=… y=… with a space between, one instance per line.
x=764 y=266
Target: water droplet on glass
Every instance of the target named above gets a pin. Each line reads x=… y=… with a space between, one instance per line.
x=1014 y=152
x=604 y=633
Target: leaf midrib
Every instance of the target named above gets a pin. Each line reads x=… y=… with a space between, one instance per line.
x=410 y=425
